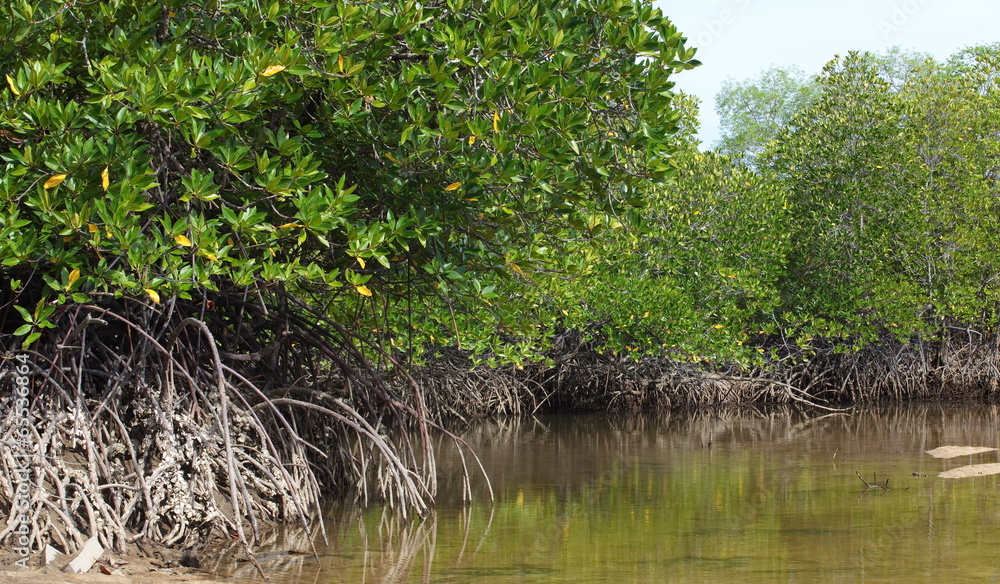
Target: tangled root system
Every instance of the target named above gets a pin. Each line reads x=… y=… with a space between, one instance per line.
x=170 y=422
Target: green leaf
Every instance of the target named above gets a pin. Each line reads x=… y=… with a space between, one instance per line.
x=30 y=339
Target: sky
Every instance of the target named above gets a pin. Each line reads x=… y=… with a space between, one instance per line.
x=740 y=38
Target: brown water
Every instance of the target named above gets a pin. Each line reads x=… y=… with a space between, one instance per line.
x=704 y=497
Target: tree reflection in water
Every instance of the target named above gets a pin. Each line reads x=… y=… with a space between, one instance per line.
x=727 y=495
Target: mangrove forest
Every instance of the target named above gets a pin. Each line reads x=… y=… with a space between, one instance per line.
x=256 y=255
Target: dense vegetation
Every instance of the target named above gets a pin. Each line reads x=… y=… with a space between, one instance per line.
x=869 y=215
x=225 y=224
x=259 y=252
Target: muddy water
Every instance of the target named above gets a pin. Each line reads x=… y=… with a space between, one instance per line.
x=704 y=497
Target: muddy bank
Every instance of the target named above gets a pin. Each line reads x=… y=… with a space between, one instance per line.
x=130 y=568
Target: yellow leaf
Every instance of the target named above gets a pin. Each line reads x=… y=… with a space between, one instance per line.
x=340 y=63
x=453 y=186
x=363 y=290
x=211 y=256
x=272 y=70
x=105 y=178
x=91 y=228
x=361 y=262
x=472 y=140
x=392 y=158
x=496 y=121
x=719 y=326
x=73 y=277
x=12 y=88
x=516 y=268
x=289 y=225
x=54 y=181
x=153 y=295
x=183 y=240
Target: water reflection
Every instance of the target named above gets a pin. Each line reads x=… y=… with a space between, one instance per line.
x=702 y=497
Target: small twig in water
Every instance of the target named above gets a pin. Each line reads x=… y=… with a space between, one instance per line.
x=874 y=484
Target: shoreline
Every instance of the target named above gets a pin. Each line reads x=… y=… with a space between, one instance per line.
x=135 y=570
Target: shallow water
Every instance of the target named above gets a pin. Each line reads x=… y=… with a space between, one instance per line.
x=703 y=497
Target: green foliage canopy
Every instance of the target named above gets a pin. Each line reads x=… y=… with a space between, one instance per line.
x=869 y=208
x=753 y=111
x=697 y=280
x=891 y=182
x=348 y=149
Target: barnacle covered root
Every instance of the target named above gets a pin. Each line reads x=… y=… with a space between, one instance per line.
x=150 y=428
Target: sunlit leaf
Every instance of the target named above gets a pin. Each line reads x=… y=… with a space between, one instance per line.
x=54 y=181
x=272 y=70
x=13 y=89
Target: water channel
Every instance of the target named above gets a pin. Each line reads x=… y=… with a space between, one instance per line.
x=696 y=497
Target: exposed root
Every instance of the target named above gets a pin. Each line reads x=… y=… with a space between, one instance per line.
x=820 y=377
x=149 y=424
